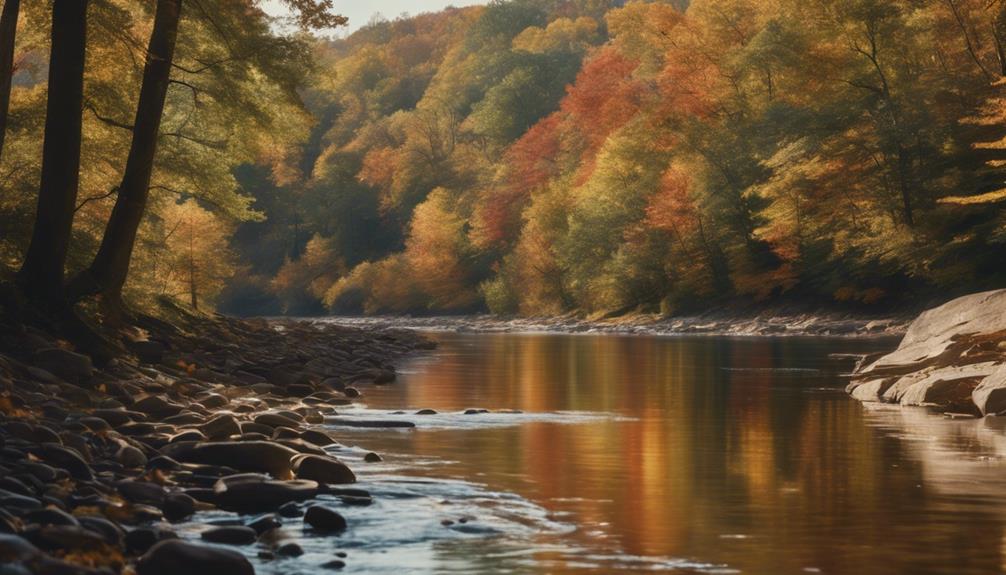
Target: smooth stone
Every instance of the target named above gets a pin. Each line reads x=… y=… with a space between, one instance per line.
x=64 y=363
x=63 y=538
x=221 y=427
x=334 y=564
x=141 y=492
x=213 y=401
x=426 y=412
x=289 y=550
x=178 y=506
x=130 y=457
x=324 y=519
x=164 y=463
x=112 y=533
x=372 y=458
x=275 y=420
x=141 y=539
x=49 y=516
x=178 y=557
x=64 y=458
x=15 y=549
x=351 y=392
x=323 y=469
x=232 y=535
x=265 y=524
x=317 y=437
x=242 y=455
x=290 y=510
x=250 y=493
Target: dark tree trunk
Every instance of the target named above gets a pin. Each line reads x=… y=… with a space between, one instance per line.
x=107 y=273
x=8 y=30
x=41 y=275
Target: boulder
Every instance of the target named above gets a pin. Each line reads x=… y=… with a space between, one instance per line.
x=990 y=395
x=174 y=557
x=935 y=331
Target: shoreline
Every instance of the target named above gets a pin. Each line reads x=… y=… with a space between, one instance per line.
x=762 y=325
x=107 y=470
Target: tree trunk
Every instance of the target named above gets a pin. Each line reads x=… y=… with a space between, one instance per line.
x=904 y=183
x=41 y=275
x=107 y=273
x=8 y=30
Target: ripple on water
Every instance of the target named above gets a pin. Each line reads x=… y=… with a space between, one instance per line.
x=349 y=418
x=423 y=525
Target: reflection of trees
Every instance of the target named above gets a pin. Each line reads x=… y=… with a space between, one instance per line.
x=712 y=452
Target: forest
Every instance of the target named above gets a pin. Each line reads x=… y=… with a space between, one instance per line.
x=530 y=157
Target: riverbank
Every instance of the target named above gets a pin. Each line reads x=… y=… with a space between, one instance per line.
x=769 y=323
x=99 y=468
x=952 y=359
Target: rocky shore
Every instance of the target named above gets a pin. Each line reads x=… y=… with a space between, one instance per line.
x=99 y=466
x=952 y=359
x=768 y=323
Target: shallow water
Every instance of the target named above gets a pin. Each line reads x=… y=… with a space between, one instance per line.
x=640 y=454
x=684 y=455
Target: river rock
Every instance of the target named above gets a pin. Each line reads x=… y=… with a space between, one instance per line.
x=275 y=420
x=64 y=458
x=178 y=557
x=253 y=493
x=66 y=364
x=15 y=549
x=178 y=506
x=324 y=519
x=230 y=535
x=221 y=427
x=289 y=550
x=141 y=539
x=264 y=456
x=323 y=469
x=130 y=456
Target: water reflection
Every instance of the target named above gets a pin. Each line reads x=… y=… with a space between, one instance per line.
x=741 y=453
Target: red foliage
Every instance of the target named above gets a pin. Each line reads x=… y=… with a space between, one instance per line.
x=604 y=97
x=530 y=162
x=671 y=208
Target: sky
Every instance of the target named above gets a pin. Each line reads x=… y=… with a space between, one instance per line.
x=360 y=12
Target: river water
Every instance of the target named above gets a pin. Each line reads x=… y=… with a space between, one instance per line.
x=638 y=454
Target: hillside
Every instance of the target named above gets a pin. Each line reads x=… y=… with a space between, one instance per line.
x=542 y=156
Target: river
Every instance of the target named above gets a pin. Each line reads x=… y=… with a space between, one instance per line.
x=632 y=454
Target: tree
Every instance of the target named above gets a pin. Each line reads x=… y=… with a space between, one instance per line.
x=8 y=31
x=41 y=274
x=107 y=273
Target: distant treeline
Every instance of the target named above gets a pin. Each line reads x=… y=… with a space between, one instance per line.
x=542 y=156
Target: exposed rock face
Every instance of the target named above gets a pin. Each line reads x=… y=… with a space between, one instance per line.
x=952 y=357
